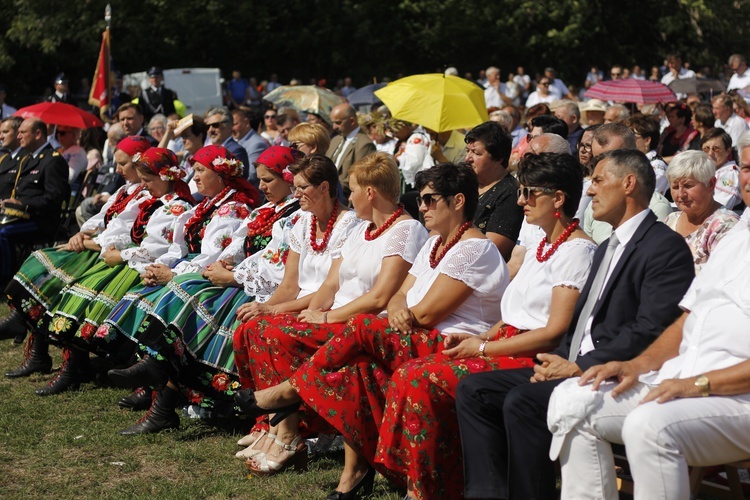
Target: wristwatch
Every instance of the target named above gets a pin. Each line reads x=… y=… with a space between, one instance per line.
x=703 y=385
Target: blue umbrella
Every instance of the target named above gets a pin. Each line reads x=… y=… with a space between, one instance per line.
x=365 y=95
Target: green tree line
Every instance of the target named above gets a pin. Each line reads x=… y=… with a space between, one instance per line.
x=364 y=39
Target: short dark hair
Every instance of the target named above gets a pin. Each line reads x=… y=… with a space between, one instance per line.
x=551 y=125
x=721 y=134
x=645 y=126
x=451 y=179
x=608 y=131
x=683 y=111
x=131 y=105
x=632 y=161
x=704 y=115
x=199 y=128
x=495 y=139
x=318 y=169
x=38 y=125
x=555 y=171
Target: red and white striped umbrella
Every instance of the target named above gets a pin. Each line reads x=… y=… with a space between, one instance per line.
x=631 y=90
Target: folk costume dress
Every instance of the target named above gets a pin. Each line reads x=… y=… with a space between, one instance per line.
x=269 y=350
x=419 y=434
x=345 y=382
x=193 y=320
x=201 y=235
x=259 y=340
x=46 y=272
x=88 y=300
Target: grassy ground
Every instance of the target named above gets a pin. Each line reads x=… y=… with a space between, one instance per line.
x=67 y=446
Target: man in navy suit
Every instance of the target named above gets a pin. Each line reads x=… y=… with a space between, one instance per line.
x=645 y=273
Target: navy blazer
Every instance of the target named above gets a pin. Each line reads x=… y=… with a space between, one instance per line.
x=640 y=299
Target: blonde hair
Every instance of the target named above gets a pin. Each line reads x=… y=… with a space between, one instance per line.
x=311 y=134
x=379 y=171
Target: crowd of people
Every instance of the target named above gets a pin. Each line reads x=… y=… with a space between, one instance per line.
x=464 y=307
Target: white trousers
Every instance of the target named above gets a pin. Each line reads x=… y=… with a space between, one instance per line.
x=661 y=440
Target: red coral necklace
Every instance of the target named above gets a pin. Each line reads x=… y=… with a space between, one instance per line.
x=371 y=235
x=329 y=229
x=541 y=257
x=461 y=230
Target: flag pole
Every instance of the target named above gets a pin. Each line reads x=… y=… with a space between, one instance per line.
x=101 y=88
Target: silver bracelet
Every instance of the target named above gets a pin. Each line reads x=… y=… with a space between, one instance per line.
x=482 y=347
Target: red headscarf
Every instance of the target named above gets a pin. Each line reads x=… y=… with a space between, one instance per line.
x=278 y=159
x=230 y=169
x=164 y=163
x=133 y=144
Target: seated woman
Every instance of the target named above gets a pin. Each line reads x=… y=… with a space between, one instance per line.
x=197 y=310
x=373 y=263
x=717 y=144
x=310 y=138
x=700 y=218
x=677 y=136
x=419 y=432
x=454 y=286
x=45 y=273
x=82 y=305
x=307 y=264
x=498 y=216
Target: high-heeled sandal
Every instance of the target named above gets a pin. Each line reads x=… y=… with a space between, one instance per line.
x=290 y=455
x=365 y=483
x=255 y=447
x=245 y=399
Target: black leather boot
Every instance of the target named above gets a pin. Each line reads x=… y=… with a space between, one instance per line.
x=37 y=357
x=13 y=326
x=139 y=399
x=148 y=372
x=160 y=416
x=74 y=370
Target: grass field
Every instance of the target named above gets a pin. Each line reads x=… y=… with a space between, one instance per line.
x=67 y=446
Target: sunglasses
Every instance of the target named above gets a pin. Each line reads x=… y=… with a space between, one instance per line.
x=429 y=200
x=546 y=84
x=528 y=191
x=268 y=117
x=216 y=124
x=63 y=132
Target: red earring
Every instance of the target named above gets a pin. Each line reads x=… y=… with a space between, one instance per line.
x=557 y=214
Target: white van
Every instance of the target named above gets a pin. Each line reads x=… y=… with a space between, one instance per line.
x=197 y=88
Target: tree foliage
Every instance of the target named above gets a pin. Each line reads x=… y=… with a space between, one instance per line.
x=365 y=39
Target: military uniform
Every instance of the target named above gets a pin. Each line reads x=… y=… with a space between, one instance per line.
x=41 y=188
x=157 y=101
x=7 y=173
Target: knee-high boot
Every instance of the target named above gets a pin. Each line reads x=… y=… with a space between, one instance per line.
x=37 y=357
x=74 y=370
x=160 y=416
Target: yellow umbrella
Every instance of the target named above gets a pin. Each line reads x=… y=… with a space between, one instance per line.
x=435 y=101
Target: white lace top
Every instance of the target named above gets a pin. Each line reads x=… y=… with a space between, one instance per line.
x=526 y=303
x=477 y=263
x=127 y=215
x=314 y=266
x=261 y=273
x=216 y=237
x=363 y=259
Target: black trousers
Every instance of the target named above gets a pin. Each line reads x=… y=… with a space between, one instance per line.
x=503 y=422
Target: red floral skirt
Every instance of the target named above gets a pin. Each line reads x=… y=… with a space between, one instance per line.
x=269 y=349
x=419 y=435
x=346 y=380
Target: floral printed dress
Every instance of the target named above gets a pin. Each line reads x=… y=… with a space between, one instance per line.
x=419 y=434
x=87 y=301
x=198 y=229
x=268 y=349
x=703 y=240
x=46 y=272
x=191 y=324
x=345 y=382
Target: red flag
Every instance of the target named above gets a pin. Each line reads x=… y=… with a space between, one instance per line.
x=100 y=95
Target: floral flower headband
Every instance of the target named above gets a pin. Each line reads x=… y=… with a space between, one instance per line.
x=161 y=162
x=228 y=166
